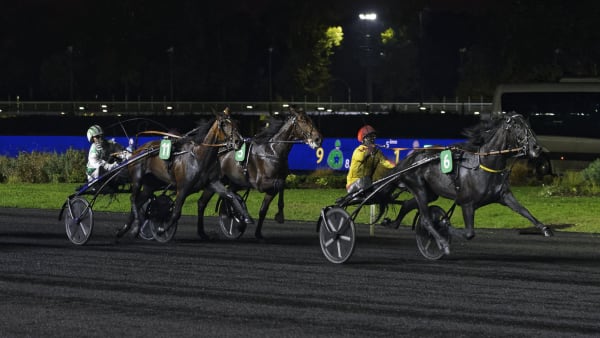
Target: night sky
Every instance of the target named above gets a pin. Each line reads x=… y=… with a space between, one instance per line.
x=232 y=50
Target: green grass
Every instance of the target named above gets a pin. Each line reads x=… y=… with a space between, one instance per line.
x=574 y=213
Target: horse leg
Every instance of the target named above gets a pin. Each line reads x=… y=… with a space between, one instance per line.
x=236 y=200
x=407 y=206
x=510 y=201
x=133 y=214
x=142 y=198
x=262 y=214
x=176 y=213
x=279 y=217
x=468 y=212
x=207 y=194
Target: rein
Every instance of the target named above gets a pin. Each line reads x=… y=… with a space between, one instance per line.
x=481 y=166
x=296 y=141
x=499 y=152
x=155 y=132
x=487 y=153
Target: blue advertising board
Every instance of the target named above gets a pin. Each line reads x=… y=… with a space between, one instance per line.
x=11 y=146
x=334 y=153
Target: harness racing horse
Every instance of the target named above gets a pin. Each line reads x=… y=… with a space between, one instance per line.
x=265 y=166
x=193 y=166
x=479 y=175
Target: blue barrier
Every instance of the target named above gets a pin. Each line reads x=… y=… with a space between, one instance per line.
x=334 y=153
x=11 y=146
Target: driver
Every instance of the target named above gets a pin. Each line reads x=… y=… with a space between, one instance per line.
x=366 y=158
x=104 y=155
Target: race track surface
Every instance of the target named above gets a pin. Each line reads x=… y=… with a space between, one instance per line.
x=499 y=284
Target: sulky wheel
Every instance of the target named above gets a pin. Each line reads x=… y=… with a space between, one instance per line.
x=159 y=213
x=231 y=226
x=145 y=231
x=337 y=234
x=79 y=220
x=157 y=228
x=426 y=243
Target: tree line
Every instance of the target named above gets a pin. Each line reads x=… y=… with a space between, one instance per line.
x=266 y=49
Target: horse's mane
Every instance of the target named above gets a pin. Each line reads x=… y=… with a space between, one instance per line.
x=202 y=128
x=481 y=133
x=274 y=125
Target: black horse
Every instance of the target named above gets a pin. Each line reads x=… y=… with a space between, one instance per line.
x=479 y=175
x=265 y=165
x=193 y=166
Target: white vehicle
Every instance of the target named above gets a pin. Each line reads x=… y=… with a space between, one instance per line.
x=564 y=115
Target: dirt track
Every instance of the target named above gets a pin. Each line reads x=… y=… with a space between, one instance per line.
x=499 y=284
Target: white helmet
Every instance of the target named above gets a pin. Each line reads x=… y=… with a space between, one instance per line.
x=94 y=130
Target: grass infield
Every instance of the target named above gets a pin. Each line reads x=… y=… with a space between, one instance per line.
x=578 y=214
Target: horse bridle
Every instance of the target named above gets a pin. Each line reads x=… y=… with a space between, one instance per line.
x=520 y=149
x=229 y=140
x=305 y=135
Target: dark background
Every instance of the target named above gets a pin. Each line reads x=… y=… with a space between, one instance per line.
x=219 y=51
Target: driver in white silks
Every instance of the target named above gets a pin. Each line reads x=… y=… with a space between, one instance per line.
x=104 y=155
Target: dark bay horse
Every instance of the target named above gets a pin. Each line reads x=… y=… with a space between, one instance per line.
x=479 y=176
x=265 y=166
x=193 y=166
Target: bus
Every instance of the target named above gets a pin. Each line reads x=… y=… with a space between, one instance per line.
x=565 y=117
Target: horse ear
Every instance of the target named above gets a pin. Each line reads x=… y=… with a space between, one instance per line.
x=215 y=112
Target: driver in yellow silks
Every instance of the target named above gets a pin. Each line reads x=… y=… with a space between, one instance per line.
x=366 y=158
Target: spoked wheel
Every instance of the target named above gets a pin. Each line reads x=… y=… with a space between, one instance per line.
x=231 y=226
x=426 y=243
x=337 y=234
x=158 y=233
x=159 y=213
x=79 y=220
x=145 y=231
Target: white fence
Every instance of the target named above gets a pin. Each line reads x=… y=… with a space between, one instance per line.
x=16 y=108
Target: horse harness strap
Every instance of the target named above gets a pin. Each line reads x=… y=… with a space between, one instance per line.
x=490 y=170
x=499 y=152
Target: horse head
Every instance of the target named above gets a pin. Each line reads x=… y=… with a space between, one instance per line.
x=304 y=129
x=520 y=135
x=226 y=132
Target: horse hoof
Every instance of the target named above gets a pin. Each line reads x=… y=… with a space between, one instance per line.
x=446 y=250
x=547 y=232
x=388 y=223
x=122 y=231
x=444 y=246
x=469 y=236
x=279 y=218
x=135 y=230
x=259 y=237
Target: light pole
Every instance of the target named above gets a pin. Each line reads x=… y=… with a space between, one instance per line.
x=349 y=90
x=170 y=51
x=70 y=52
x=270 y=78
x=367 y=18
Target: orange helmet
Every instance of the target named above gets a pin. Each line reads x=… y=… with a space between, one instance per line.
x=364 y=131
